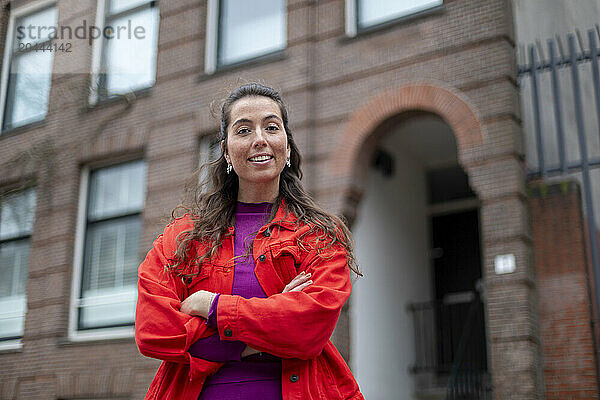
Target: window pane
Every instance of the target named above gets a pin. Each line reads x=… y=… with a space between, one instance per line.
x=130 y=62
x=12 y=313
x=28 y=88
x=122 y=5
x=108 y=308
x=373 y=12
x=16 y=214
x=117 y=190
x=35 y=28
x=14 y=259
x=111 y=255
x=250 y=28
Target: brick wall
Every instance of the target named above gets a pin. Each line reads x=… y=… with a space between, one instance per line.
x=569 y=360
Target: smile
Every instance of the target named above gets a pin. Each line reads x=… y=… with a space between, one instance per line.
x=260 y=159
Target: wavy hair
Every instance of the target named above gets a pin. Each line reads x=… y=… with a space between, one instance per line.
x=212 y=202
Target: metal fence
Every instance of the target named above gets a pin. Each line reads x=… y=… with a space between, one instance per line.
x=560 y=94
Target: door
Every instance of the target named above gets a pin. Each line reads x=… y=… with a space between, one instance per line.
x=457 y=271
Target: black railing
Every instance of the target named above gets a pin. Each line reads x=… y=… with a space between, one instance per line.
x=450 y=346
x=470 y=385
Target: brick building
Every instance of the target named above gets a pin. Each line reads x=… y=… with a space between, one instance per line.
x=413 y=109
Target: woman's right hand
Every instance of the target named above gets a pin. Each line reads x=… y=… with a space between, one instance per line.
x=301 y=281
x=248 y=351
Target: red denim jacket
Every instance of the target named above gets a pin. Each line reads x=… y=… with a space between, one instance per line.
x=295 y=326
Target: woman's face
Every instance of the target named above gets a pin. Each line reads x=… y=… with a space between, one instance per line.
x=257 y=144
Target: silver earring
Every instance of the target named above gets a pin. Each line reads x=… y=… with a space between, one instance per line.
x=289 y=164
x=229 y=168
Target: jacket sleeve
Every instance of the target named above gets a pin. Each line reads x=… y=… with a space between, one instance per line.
x=292 y=324
x=212 y=348
x=161 y=330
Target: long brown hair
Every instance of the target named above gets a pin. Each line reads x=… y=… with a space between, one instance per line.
x=211 y=203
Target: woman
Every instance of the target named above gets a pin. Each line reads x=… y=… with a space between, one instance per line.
x=240 y=295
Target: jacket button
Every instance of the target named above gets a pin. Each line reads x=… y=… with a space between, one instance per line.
x=228 y=332
x=267 y=233
x=294 y=378
x=262 y=257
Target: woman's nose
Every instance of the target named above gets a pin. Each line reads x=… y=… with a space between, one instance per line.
x=259 y=138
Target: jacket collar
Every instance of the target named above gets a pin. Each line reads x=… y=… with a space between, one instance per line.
x=288 y=221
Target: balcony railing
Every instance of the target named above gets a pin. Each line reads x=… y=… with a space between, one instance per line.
x=450 y=347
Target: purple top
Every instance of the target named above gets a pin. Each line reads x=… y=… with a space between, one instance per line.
x=249 y=218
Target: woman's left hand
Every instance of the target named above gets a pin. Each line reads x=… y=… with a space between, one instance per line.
x=198 y=303
x=299 y=283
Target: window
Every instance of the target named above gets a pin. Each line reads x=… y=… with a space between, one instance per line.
x=26 y=71
x=210 y=150
x=239 y=30
x=17 y=212
x=361 y=14
x=125 y=56
x=107 y=249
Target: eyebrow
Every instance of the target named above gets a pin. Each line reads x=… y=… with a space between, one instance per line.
x=272 y=116
x=246 y=120
x=241 y=120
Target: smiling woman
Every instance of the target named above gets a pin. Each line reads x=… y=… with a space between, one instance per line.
x=240 y=296
x=257 y=148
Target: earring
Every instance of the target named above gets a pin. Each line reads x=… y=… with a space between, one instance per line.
x=229 y=167
x=288 y=163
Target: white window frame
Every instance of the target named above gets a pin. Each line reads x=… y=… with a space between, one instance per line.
x=351 y=23
x=209 y=150
x=98 y=50
x=8 y=47
x=211 y=48
x=74 y=334
x=351 y=18
x=13 y=344
x=212 y=36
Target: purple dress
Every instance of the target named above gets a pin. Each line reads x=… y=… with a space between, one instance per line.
x=257 y=376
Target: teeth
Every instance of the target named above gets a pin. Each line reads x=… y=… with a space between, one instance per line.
x=260 y=158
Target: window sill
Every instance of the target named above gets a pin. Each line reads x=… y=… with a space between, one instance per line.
x=11 y=346
x=100 y=335
x=127 y=98
x=268 y=58
x=22 y=128
x=393 y=23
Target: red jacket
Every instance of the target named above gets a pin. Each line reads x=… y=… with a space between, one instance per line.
x=295 y=326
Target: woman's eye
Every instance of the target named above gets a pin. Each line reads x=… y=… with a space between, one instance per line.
x=243 y=130
x=273 y=127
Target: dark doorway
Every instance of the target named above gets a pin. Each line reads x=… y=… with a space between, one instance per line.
x=457 y=272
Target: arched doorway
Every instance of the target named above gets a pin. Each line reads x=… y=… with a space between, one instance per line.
x=494 y=166
x=417 y=238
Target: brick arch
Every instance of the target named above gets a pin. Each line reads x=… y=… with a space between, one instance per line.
x=445 y=102
x=348 y=164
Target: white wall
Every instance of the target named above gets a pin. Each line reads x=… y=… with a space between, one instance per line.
x=392 y=242
x=553 y=17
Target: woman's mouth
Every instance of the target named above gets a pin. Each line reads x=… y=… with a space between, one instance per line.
x=260 y=159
